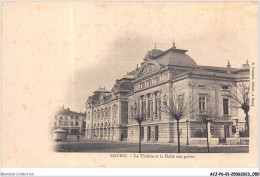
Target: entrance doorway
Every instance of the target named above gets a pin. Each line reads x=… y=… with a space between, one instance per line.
x=148 y=133
x=142 y=131
x=156 y=132
x=224 y=133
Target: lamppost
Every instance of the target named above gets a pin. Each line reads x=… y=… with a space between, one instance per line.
x=187 y=121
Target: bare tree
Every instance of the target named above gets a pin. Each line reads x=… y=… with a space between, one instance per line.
x=139 y=118
x=178 y=109
x=239 y=97
x=208 y=116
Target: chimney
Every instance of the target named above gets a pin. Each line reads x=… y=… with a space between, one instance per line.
x=228 y=68
x=68 y=110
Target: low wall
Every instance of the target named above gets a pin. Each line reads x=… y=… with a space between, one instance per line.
x=215 y=141
x=244 y=141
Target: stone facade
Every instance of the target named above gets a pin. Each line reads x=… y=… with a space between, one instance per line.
x=73 y=122
x=162 y=78
x=107 y=112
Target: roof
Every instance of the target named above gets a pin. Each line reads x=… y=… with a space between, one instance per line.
x=153 y=53
x=201 y=72
x=68 y=112
x=128 y=76
x=103 y=90
x=216 y=69
x=172 y=56
x=176 y=57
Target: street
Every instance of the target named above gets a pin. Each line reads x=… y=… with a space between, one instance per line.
x=100 y=146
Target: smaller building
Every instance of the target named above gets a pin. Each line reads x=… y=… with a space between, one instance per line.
x=73 y=122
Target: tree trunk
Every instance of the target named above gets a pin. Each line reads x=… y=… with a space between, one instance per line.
x=140 y=137
x=178 y=132
x=247 y=123
x=207 y=130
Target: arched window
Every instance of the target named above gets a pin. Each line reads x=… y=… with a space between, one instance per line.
x=94 y=115
x=98 y=114
x=106 y=113
x=102 y=113
x=114 y=110
x=135 y=108
x=165 y=99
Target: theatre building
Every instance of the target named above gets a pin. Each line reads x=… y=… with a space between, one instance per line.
x=170 y=75
x=165 y=76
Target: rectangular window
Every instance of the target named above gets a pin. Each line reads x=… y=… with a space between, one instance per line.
x=114 y=111
x=201 y=86
x=202 y=104
x=77 y=123
x=74 y=131
x=157 y=80
x=77 y=117
x=142 y=133
x=71 y=123
x=150 y=82
x=132 y=111
x=180 y=101
x=225 y=107
x=143 y=107
x=143 y=85
x=225 y=87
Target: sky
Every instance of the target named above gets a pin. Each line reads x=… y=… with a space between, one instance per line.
x=65 y=50
x=110 y=39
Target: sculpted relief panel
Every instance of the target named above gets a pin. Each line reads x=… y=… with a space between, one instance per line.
x=147 y=69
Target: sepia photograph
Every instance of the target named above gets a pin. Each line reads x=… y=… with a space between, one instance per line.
x=167 y=101
x=129 y=84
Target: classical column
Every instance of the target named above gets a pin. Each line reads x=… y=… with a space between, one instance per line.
x=147 y=105
x=209 y=134
x=154 y=105
x=159 y=105
x=141 y=105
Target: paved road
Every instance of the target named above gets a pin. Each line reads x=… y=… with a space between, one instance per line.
x=117 y=147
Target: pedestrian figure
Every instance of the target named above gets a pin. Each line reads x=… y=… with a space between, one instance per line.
x=78 y=137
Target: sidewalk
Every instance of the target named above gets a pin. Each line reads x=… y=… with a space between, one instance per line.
x=166 y=144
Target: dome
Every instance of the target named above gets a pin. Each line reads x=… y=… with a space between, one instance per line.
x=176 y=57
x=153 y=53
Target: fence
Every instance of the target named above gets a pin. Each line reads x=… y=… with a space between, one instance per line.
x=215 y=130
